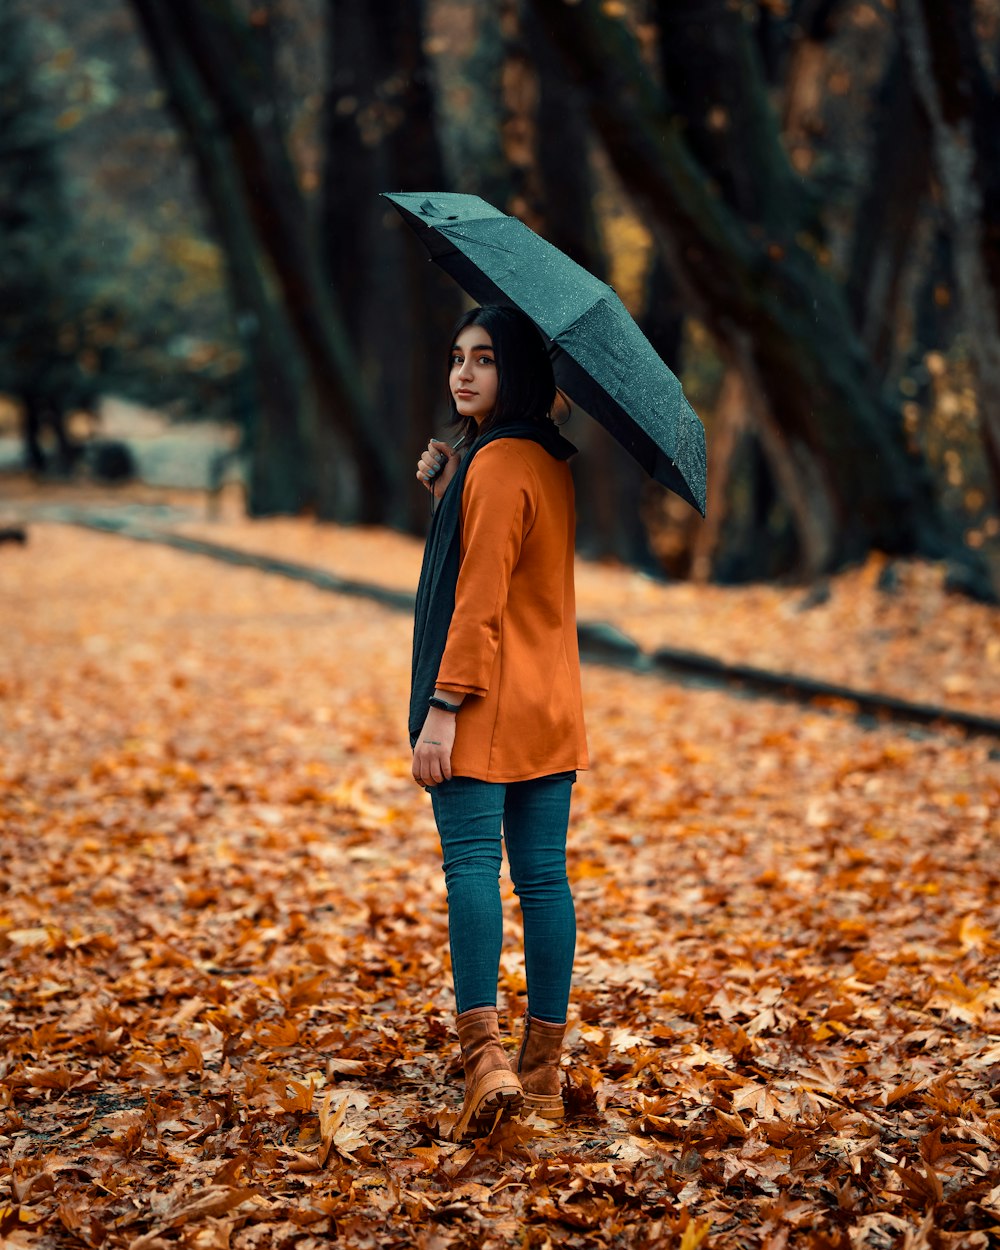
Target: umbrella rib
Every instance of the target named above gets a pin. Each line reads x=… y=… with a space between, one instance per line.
x=580 y=316
x=454 y=232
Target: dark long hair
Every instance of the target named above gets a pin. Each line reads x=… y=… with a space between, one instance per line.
x=526 y=385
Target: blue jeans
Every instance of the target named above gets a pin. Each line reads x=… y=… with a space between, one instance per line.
x=534 y=816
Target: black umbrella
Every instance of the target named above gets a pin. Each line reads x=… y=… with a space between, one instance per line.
x=601 y=358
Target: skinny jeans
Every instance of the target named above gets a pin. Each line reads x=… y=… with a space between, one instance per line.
x=533 y=816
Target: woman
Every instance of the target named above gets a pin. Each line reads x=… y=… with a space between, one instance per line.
x=496 y=713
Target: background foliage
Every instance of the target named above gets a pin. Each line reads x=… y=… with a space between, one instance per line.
x=774 y=188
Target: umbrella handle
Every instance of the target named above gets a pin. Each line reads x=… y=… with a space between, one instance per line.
x=437 y=468
x=454 y=447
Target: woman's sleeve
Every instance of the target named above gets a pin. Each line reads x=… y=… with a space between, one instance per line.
x=498 y=505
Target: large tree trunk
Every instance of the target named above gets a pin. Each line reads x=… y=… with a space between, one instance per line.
x=228 y=73
x=963 y=109
x=720 y=127
x=281 y=430
x=713 y=82
x=888 y=214
x=380 y=135
x=756 y=286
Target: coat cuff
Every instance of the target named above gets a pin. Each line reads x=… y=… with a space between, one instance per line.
x=457 y=687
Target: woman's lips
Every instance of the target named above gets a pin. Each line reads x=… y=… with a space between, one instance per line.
x=465 y=394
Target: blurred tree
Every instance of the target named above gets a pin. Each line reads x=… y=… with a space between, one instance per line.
x=962 y=107
x=749 y=528
x=218 y=75
x=889 y=211
x=466 y=50
x=792 y=37
x=380 y=135
x=547 y=144
x=155 y=327
x=740 y=233
x=43 y=289
x=850 y=215
x=281 y=419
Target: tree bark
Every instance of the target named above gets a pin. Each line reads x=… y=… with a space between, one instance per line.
x=802 y=80
x=546 y=146
x=868 y=491
x=784 y=35
x=229 y=73
x=888 y=214
x=380 y=135
x=521 y=122
x=730 y=426
x=281 y=430
x=723 y=123
x=963 y=111
x=716 y=89
x=551 y=163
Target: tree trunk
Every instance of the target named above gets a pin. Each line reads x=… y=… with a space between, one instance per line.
x=721 y=126
x=280 y=431
x=713 y=82
x=228 y=72
x=963 y=110
x=521 y=123
x=765 y=292
x=729 y=428
x=792 y=32
x=380 y=135
x=802 y=81
x=888 y=213
x=546 y=144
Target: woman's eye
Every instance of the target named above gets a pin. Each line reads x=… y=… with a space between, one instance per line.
x=485 y=360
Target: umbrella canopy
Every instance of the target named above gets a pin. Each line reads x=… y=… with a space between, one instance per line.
x=600 y=357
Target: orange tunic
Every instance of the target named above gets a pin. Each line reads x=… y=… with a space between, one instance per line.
x=512 y=645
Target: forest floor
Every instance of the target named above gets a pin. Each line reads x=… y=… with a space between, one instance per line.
x=225 y=1013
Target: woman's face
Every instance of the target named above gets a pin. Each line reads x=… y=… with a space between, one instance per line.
x=473 y=378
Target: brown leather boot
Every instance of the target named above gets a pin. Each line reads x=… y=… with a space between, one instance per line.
x=492 y=1091
x=538 y=1067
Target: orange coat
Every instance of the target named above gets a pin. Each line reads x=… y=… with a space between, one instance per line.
x=512 y=645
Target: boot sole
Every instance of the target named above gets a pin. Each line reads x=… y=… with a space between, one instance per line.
x=547 y=1106
x=498 y=1097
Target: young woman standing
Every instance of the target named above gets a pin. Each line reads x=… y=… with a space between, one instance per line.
x=496 y=713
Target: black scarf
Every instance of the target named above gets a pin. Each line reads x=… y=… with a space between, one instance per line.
x=442 y=556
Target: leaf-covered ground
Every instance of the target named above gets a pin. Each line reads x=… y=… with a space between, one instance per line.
x=889 y=625
x=225 y=1015
x=906 y=635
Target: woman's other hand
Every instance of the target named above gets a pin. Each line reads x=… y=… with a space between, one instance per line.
x=432 y=754
x=438 y=455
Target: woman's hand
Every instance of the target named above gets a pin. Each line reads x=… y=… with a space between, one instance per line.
x=432 y=754
x=437 y=454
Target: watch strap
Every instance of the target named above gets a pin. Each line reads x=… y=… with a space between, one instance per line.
x=442 y=705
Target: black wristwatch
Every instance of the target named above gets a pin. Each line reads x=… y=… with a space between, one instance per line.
x=434 y=701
